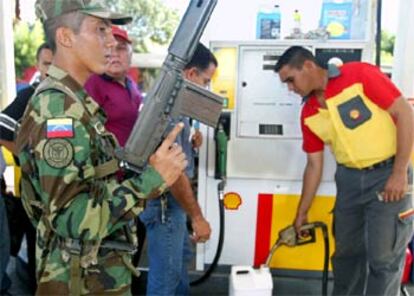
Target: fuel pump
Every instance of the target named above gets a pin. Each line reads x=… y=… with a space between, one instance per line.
x=221 y=138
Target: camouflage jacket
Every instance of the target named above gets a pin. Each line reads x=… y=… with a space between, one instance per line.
x=62 y=148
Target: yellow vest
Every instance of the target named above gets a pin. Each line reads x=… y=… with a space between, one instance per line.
x=359 y=132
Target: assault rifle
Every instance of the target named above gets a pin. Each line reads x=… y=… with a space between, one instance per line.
x=172 y=96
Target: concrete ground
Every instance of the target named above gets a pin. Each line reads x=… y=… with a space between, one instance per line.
x=284 y=283
x=217 y=284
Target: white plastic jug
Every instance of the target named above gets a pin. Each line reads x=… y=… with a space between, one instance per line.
x=247 y=281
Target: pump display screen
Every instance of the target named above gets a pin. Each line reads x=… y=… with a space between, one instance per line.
x=267 y=108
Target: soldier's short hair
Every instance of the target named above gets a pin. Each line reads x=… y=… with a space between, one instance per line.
x=72 y=20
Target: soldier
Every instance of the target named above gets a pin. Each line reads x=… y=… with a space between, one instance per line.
x=69 y=188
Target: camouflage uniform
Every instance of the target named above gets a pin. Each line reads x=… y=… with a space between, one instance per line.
x=69 y=190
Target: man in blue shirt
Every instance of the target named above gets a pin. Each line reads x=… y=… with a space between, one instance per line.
x=169 y=248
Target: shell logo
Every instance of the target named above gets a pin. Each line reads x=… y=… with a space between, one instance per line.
x=232 y=201
x=355 y=114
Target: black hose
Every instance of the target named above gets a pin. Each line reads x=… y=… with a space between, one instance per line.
x=326 y=260
x=213 y=264
x=326 y=256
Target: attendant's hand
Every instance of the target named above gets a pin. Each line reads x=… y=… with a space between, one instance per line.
x=396 y=187
x=301 y=219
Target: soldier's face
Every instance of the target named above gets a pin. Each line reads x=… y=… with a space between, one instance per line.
x=93 y=44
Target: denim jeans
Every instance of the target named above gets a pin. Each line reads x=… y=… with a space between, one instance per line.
x=169 y=249
x=4 y=246
x=370 y=237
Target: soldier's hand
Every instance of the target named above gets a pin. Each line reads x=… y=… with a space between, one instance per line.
x=201 y=230
x=197 y=139
x=169 y=159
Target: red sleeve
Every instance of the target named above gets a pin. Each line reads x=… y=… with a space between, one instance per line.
x=311 y=142
x=378 y=87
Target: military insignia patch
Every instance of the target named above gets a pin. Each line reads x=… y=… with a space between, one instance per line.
x=59 y=128
x=58 y=153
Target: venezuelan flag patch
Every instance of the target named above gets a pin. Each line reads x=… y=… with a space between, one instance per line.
x=59 y=128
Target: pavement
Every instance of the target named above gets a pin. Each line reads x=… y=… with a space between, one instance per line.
x=217 y=284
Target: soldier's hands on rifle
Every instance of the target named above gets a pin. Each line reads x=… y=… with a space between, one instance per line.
x=169 y=159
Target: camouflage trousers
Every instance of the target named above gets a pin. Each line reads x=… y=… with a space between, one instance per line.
x=110 y=275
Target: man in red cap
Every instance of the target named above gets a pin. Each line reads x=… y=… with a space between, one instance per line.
x=114 y=91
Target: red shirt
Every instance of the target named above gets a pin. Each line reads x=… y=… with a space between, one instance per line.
x=121 y=104
x=377 y=87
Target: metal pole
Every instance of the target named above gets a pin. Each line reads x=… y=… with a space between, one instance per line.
x=378 y=36
x=7 y=72
x=403 y=66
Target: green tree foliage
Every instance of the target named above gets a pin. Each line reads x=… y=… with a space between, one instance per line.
x=27 y=38
x=387 y=42
x=153 y=22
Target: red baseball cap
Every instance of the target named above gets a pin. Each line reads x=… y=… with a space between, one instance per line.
x=118 y=32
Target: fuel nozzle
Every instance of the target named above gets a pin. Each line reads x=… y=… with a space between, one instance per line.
x=221 y=150
x=289 y=237
x=221 y=159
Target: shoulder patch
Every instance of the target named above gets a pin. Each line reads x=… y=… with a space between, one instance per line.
x=59 y=128
x=58 y=153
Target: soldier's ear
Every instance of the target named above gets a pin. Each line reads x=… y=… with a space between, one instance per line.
x=64 y=37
